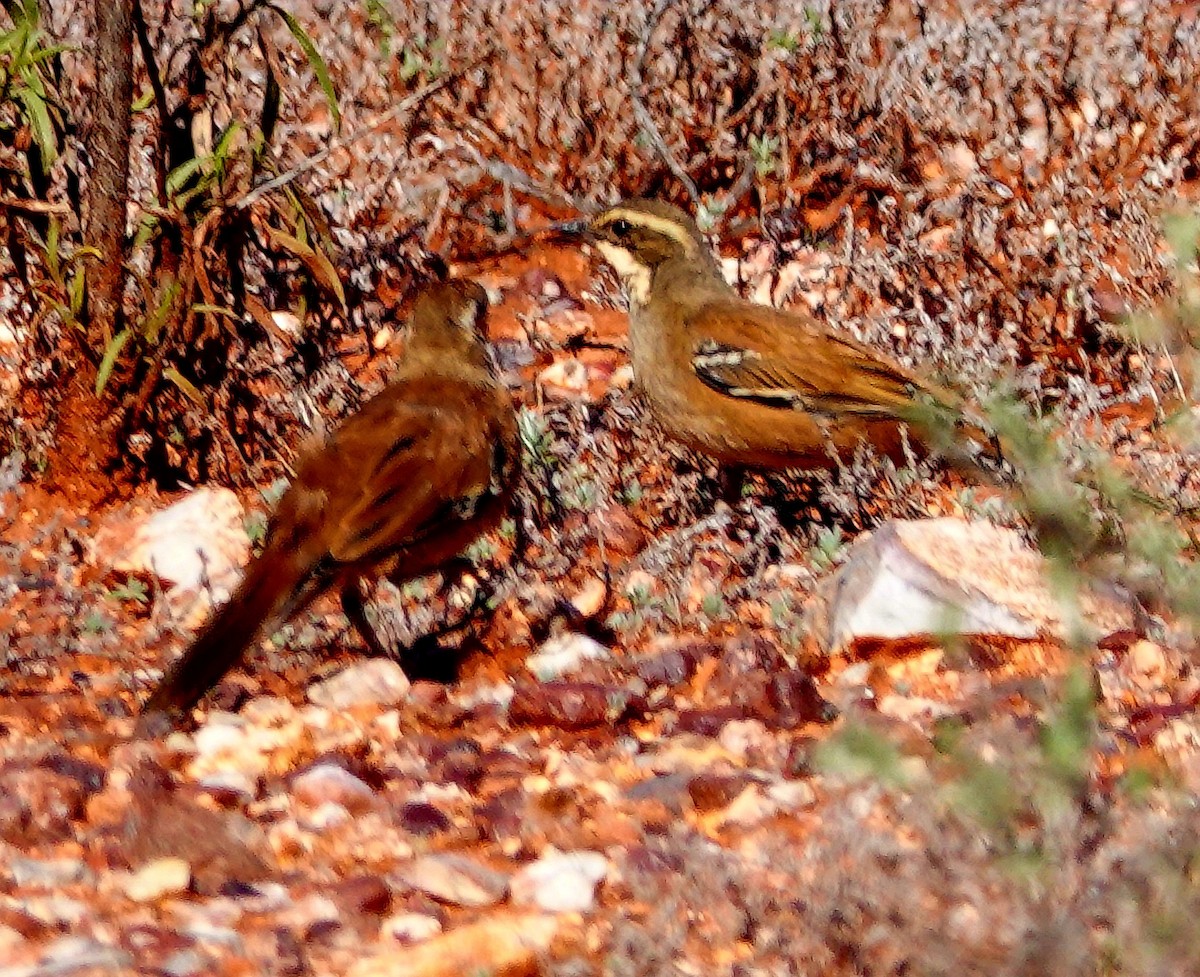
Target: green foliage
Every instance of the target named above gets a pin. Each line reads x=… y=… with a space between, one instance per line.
x=828 y=548
x=764 y=150
x=27 y=80
x=131 y=590
x=423 y=59
x=858 y=753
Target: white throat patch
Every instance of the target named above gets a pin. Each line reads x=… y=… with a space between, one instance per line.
x=634 y=274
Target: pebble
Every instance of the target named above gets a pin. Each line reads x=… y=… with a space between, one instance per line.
x=1145 y=664
x=197 y=545
x=410 y=927
x=162 y=877
x=560 y=882
x=328 y=782
x=456 y=879
x=913 y=578
x=375 y=682
x=564 y=379
x=564 y=654
x=48 y=873
x=509 y=945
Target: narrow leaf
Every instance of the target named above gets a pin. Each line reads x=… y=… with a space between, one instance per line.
x=39 y=121
x=111 y=352
x=318 y=265
x=186 y=387
x=320 y=69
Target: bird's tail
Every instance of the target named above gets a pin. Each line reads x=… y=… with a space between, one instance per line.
x=276 y=586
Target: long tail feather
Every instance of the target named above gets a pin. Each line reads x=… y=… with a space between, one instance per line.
x=272 y=591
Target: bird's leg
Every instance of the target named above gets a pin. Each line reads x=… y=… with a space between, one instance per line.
x=355 y=608
x=731 y=484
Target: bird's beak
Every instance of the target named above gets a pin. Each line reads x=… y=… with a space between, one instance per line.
x=570 y=231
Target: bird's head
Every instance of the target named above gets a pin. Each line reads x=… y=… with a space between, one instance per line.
x=637 y=237
x=450 y=310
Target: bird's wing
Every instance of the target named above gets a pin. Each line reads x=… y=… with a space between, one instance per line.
x=788 y=361
x=436 y=465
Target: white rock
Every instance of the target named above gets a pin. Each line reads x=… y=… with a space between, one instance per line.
x=377 y=682
x=561 y=882
x=564 y=654
x=162 y=877
x=456 y=879
x=197 y=547
x=566 y=379
x=410 y=927
x=937 y=576
x=328 y=782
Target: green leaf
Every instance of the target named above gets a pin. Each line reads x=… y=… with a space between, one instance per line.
x=216 y=310
x=221 y=151
x=111 y=352
x=146 y=228
x=38 y=114
x=186 y=387
x=320 y=69
x=155 y=321
x=315 y=260
x=78 y=291
x=53 y=262
x=182 y=173
x=143 y=101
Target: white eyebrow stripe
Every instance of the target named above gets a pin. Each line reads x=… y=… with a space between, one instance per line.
x=660 y=225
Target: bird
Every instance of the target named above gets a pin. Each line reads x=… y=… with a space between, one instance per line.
x=751 y=385
x=400 y=487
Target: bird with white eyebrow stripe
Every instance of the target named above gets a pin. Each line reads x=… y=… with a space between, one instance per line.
x=752 y=385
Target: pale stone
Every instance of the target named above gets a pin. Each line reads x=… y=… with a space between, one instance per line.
x=947 y=576
x=377 y=681
x=162 y=877
x=564 y=654
x=561 y=882
x=196 y=547
x=497 y=945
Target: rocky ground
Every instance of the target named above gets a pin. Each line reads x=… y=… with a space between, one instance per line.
x=848 y=723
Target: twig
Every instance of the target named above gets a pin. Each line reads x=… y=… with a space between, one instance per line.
x=35 y=206
x=422 y=93
x=642 y=114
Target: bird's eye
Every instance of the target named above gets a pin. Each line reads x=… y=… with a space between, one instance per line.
x=621 y=228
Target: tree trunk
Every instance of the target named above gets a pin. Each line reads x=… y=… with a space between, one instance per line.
x=109 y=150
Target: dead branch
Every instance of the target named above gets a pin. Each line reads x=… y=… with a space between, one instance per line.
x=642 y=114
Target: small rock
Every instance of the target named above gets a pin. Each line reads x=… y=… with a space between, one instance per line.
x=589 y=599
x=198 y=546
x=422 y=819
x=710 y=791
x=916 y=578
x=560 y=882
x=569 y=705
x=795 y=698
x=564 y=379
x=564 y=654
x=48 y=873
x=328 y=782
x=508 y=945
x=410 y=927
x=365 y=894
x=164 y=877
x=742 y=737
x=1145 y=664
x=376 y=682
x=70 y=954
x=456 y=879
x=792 y=795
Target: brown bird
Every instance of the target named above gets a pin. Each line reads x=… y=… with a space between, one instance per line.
x=749 y=384
x=400 y=487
